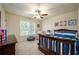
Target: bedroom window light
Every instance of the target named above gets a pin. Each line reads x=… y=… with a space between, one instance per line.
x=27 y=28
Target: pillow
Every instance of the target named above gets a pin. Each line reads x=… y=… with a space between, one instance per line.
x=69 y=35
x=65 y=35
x=58 y=35
x=67 y=38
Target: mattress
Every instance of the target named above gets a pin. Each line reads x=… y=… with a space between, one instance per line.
x=46 y=44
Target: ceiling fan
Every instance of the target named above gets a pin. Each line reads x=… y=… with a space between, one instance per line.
x=38 y=14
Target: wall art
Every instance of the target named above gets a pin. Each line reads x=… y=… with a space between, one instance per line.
x=72 y=22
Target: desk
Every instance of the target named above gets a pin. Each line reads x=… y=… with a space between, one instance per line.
x=7 y=47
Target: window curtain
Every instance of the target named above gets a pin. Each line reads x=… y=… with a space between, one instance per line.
x=27 y=28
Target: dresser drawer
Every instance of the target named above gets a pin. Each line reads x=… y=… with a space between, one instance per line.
x=7 y=49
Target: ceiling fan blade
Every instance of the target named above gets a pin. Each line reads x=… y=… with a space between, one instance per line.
x=44 y=14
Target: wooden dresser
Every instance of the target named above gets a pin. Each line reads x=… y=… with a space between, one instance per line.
x=7 y=47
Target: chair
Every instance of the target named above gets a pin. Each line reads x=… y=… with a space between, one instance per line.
x=30 y=38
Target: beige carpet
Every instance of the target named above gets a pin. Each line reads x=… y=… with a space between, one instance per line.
x=28 y=48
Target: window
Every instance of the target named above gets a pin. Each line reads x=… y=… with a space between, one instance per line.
x=27 y=28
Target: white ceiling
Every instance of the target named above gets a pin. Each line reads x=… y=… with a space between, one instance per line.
x=28 y=9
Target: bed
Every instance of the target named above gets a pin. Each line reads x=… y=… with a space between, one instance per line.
x=62 y=42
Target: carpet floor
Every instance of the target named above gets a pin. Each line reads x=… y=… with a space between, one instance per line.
x=27 y=48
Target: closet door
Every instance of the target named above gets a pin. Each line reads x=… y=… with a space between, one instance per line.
x=0 y=18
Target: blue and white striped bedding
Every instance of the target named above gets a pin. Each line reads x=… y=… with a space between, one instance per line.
x=64 y=35
x=54 y=44
x=58 y=35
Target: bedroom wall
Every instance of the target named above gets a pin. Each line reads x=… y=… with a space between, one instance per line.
x=78 y=20
x=3 y=24
x=12 y=22
x=48 y=24
x=13 y=25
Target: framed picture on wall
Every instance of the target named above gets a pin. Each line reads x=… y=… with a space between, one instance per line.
x=0 y=19
x=72 y=22
x=61 y=23
x=56 y=24
x=65 y=23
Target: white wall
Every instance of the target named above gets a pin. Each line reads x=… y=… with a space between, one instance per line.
x=48 y=24
x=13 y=25
x=78 y=21
x=2 y=17
x=12 y=22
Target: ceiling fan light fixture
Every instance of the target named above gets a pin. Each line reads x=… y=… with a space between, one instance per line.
x=38 y=14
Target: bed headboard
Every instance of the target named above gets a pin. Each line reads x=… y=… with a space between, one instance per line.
x=65 y=33
x=65 y=30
